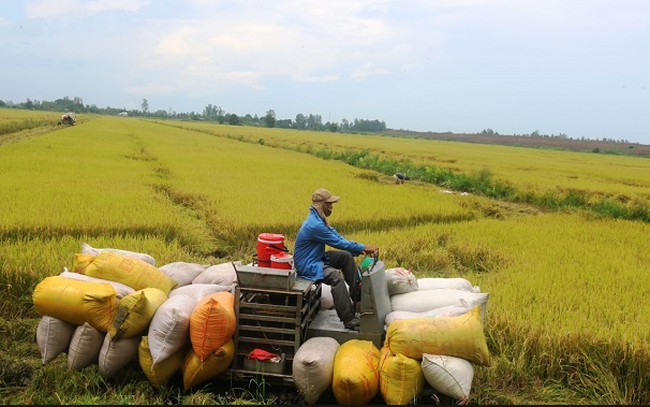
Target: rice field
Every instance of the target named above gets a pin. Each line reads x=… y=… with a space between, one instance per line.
x=567 y=321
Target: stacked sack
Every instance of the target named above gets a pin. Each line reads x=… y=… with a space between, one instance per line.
x=117 y=307
x=432 y=337
x=350 y=369
x=433 y=332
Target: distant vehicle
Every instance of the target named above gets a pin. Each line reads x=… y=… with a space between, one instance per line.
x=68 y=119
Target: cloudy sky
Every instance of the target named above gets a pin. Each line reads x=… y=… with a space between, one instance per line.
x=574 y=67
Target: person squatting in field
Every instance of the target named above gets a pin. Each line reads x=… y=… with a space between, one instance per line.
x=400 y=178
x=333 y=267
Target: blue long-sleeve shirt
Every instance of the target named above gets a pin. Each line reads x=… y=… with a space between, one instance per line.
x=309 y=249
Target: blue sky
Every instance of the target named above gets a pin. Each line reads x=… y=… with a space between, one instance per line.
x=574 y=67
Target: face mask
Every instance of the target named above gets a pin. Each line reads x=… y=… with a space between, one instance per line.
x=327 y=211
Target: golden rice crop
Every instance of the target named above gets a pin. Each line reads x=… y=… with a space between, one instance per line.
x=537 y=171
x=567 y=291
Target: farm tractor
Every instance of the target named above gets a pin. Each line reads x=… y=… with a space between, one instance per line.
x=278 y=311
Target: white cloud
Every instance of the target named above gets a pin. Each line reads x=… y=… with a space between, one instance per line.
x=316 y=79
x=368 y=70
x=79 y=8
x=306 y=41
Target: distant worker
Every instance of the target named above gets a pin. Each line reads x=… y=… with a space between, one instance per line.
x=333 y=267
x=400 y=178
x=68 y=119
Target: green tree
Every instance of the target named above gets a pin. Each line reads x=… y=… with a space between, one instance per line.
x=269 y=119
x=314 y=122
x=301 y=122
x=145 y=106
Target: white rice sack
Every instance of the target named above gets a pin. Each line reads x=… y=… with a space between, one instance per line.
x=115 y=355
x=169 y=329
x=88 y=249
x=199 y=290
x=446 y=311
x=313 y=367
x=458 y=283
x=220 y=274
x=326 y=299
x=424 y=300
x=400 y=280
x=84 y=346
x=121 y=290
x=183 y=272
x=449 y=375
x=53 y=337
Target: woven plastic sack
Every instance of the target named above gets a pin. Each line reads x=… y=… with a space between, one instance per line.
x=182 y=272
x=84 y=347
x=460 y=336
x=88 y=249
x=400 y=378
x=199 y=290
x=121 y=290
x=116 y=355
x=197 y=371
x=169 y=329
x=424 y=300
x=135 y=273
x=212 y=323
x=356 y=376
x=53 y=337
x=400 y=280
x=449 y=375
x=446 y=311
x=220 y=274
x=158 y=374
x=134 y=312
x=313 y=367
x=457 y=283
x=76 y=301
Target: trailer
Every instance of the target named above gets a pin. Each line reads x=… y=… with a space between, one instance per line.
x=277 y=311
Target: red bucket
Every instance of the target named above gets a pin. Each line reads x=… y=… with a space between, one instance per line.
x=282 y=261
x=267 y=245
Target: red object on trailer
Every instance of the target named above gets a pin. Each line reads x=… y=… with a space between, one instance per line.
x=282 y=261
x=269 y=244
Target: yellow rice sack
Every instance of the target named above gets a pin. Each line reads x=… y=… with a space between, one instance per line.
x=160 y=373
x=401 y=379
x=76 y=301
x=355 y=379
x=135 y=273
x=135 y=311
x=461 y=336
x=212 y=323
x=197 y=372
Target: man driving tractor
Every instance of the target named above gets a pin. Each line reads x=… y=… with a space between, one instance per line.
x=333 y=267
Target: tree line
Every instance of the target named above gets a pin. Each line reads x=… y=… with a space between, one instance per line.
x=211 y=113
